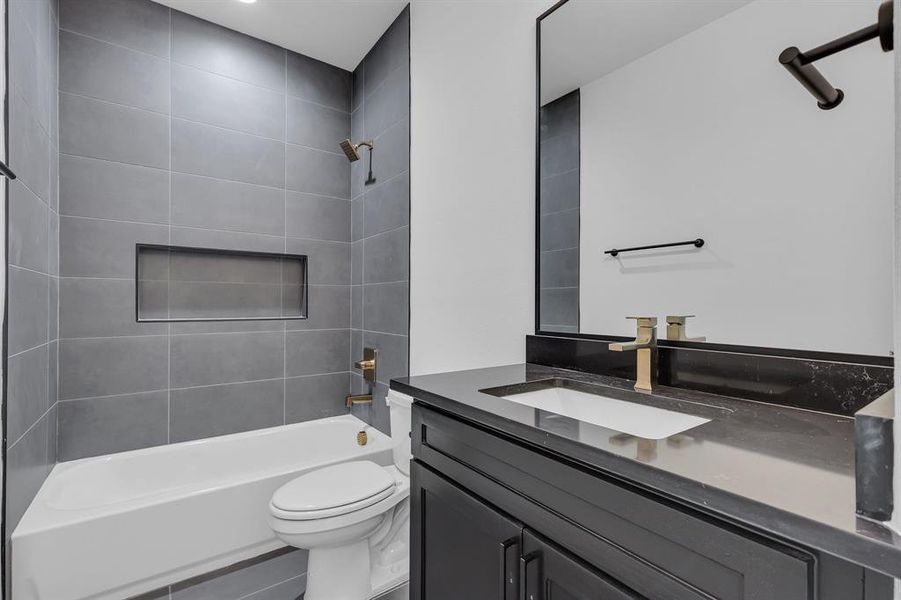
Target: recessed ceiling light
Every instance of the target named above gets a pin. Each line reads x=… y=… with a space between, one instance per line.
x=247 y=1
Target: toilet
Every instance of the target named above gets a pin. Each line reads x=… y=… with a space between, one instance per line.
x=354 y=518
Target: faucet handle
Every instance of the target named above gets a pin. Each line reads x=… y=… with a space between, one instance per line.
x=675 y=329
x=645 y=321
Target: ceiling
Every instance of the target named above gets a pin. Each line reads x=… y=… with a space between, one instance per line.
x=339 y=32
x=584 y=40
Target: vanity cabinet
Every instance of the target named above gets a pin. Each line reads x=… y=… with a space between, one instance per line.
x=493 y=518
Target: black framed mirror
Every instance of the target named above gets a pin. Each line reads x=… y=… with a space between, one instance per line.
x=682 y=170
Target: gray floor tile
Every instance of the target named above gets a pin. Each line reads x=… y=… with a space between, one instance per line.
x=141 y=26
x=203 y=412
x=219 y=50
x=218 y=100
x=98 y=129
x=107 y=366
x=100 y=70
x=98 y=426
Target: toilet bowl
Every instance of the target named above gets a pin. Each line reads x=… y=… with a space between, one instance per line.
x=353 y=518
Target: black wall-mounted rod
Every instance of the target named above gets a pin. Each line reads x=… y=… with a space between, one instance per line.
x=696 y=243
x=799 y=64
x=6 y=171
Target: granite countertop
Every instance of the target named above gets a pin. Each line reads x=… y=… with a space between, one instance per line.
x=780 y=470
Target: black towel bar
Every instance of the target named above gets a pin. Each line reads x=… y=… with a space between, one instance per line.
x=696 y=243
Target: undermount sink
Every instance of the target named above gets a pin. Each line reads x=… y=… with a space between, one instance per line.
x=626 y=417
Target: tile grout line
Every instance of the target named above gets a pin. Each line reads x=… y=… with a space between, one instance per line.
x=306 y=275
x=169 y=265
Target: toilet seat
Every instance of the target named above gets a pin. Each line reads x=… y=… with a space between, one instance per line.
x=333 y=491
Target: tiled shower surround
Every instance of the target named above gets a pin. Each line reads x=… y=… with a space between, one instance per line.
x=559 y=197
x=32 y=241
x=177 y=131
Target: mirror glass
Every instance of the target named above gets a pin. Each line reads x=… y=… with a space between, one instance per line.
x=670 y=121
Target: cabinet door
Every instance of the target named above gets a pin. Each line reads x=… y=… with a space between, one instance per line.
x=461 y=547
x=549 y=573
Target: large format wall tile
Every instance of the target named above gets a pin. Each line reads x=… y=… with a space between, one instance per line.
x=111 y=190
x=99 y=129
x=316 y=81
x=29 y=239
x=102 y=425
x=386 y=256
x=391 y=52
x=201 y=149
x=388 y=104
x=317 y=217
x=316 y=126
x=328 y=307
x=28 y=462
x=29 y=297
x=318 y=172
x=220 y=204
x=96 y=248
x=225 y=102
x=315 y=396
x=385 y=307
x=202 y=412
x=101 y=70
x=387 y=206
x=29 y=68
x=212 y=48
x=100 y=308
x=29 y=148
x=328 y=263
x=315 y=352
x=225 y=358
x=110 y=366
x=29 y=374
x=140 y=26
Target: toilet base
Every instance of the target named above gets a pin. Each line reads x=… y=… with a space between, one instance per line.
x=339 y=573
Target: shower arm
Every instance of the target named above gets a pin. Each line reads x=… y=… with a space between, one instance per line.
x=799 y=64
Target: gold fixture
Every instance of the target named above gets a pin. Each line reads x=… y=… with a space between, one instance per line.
x=367 y=365
x=675 y=329
x=362 y=437
x=353 y=400
x=646 y=346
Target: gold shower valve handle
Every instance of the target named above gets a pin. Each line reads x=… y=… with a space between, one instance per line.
x=367 y=365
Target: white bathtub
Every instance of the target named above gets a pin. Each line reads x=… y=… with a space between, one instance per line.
x=116 y=526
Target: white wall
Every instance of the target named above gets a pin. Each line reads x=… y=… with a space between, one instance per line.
x=709 y=136
x=472 y=182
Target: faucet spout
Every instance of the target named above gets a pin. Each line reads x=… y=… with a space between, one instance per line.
x=645 y=345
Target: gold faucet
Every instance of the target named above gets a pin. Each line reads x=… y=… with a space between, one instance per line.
x=353 y=400
x=675 y=329
x=645 y=345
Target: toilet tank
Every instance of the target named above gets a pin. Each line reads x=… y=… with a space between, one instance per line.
x=400 y=408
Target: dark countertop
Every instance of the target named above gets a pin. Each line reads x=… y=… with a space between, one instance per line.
x=779 y=470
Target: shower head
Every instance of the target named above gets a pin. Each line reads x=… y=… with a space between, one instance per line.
x=350 y=149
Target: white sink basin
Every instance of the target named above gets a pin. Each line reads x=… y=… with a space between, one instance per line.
x=626 y=417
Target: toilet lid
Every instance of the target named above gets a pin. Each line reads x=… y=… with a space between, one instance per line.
x=337 y=489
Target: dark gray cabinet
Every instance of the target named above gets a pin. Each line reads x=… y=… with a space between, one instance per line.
x=550 y=573
x=463 y=547
x=482 y=502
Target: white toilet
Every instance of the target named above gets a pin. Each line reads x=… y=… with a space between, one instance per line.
x=354 y=518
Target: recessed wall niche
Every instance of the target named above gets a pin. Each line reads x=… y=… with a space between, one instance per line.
x=176 y=283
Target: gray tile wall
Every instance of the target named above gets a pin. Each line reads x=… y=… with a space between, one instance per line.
x=380 y=213
x=559 y=209
x=33 y=252
x=177 y=131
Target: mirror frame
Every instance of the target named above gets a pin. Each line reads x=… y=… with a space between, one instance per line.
x=882 y=361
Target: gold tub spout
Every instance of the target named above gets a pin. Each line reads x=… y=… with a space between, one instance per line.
x=358 y=399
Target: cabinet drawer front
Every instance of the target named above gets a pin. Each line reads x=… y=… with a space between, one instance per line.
x=654 y=547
